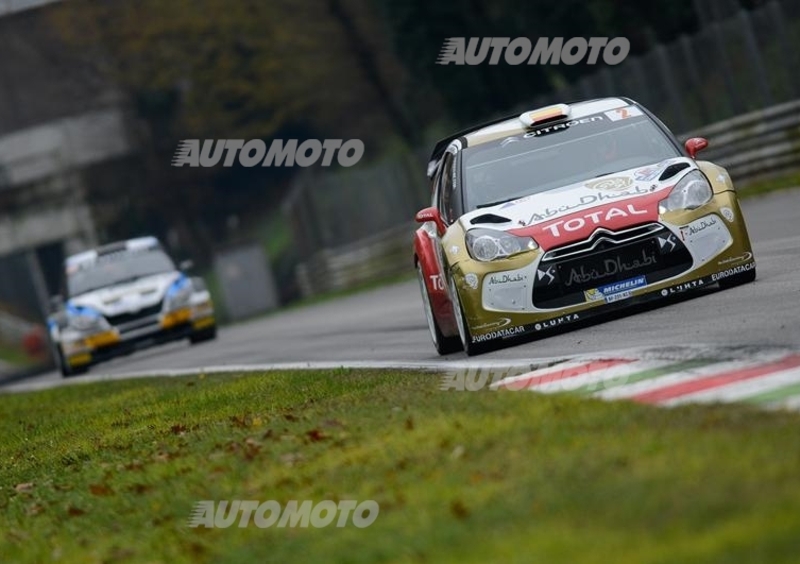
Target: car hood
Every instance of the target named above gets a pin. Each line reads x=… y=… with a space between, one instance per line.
x=573 y=212
x=130 y=297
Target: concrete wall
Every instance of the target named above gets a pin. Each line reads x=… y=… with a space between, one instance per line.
x=59 y=118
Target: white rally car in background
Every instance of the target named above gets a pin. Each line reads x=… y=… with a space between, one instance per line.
x=122 y=297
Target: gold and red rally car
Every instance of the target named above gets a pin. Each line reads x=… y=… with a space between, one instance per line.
x=562 y=213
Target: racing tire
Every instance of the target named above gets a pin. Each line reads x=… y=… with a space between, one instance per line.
x=203 y=335
x=470 y=348
x=65 y=369
x=444 y=345
x=738 y=279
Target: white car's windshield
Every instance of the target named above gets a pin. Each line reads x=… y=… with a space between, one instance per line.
x=116 y=268
x=558 y=155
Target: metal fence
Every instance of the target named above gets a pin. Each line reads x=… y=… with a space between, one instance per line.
x=756 y=145
x=743 y=63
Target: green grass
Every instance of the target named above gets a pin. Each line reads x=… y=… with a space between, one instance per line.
x=760 y=187
x=110 y=472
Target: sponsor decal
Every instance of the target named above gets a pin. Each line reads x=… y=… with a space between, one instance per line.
x=580 y=224
x=556 y=321
x=521 y=50
x=728 y=214
x=548 y=274
x=499 y=334
x=616 y=291
x=624 y=113
x=558 y=228
x=498 y=324
x=437 y=282
x=684 y=287
x=472 y=280
x=560 y=126
x=254 y=152
x=648 y=173
x=611 y=267
x=733 y=260
x=732 y=271
x=667 y=244
x=615 y=183
x=585 y=201
x=506 y=278
x=699 y=226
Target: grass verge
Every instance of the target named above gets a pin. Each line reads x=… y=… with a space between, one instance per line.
x=761 y=187
x=110 y=472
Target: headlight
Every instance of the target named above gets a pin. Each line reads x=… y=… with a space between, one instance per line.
x=690 y=193
x=488 y=244
x=85 y=319
x=178 y=294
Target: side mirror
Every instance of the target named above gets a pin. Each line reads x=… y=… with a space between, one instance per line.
x=56 y=303
x=695 y=145
x=432 y=214
x=185 y=265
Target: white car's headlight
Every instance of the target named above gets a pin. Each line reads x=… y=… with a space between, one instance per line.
x=85 y=320
x=488 y=244
x=690 y=193
x=178 y=294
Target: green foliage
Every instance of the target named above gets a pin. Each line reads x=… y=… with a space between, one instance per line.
x=476 y=92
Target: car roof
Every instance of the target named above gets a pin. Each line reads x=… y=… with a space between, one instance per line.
x=138 y=243
x=512 y=125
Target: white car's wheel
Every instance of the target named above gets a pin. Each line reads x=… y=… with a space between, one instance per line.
x=65 y=369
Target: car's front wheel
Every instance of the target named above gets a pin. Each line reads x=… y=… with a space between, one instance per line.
x=463 y=328
x=208 y=334
x=64 y=367
x=444 y=345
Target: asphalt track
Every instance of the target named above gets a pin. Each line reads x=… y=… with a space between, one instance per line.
x=386 y=326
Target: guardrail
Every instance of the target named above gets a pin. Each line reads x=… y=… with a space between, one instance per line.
x=384 y=255
x=756 y=145
x=751 y=146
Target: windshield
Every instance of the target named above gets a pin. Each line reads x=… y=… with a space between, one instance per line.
x=116 y=268
x=558 y=155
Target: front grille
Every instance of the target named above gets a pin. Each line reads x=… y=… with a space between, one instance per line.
x=602 y=239
x=607 y=257
x=125 y=318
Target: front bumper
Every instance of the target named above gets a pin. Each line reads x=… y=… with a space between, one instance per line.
x=165 y=328
x=539 y=292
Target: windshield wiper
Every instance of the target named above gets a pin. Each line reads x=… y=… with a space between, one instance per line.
x=492 y=204
x=606 y=173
